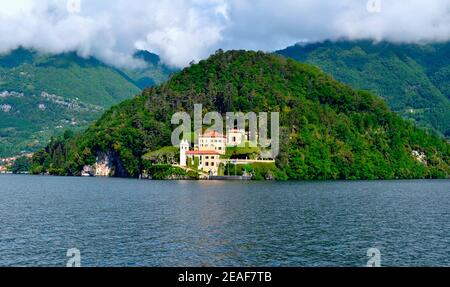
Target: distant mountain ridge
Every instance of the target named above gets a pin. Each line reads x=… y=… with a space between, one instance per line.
x=414 y=79
x=28 y=118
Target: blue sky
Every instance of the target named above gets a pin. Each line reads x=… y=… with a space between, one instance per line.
x=184 y=30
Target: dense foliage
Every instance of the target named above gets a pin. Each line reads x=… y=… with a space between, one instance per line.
x=42 y=94
x=413 y=79
x=328 y=130
x=164 y=172
x=21 y=165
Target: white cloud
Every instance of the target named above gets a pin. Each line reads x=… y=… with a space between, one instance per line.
x=270 y=25
x=184 y=30
x=399 y=21
x=111 y=30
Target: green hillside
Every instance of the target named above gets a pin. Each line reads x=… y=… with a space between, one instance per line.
x=28 y=122
x=328 y=130
x=413 y=79
x=80 y=91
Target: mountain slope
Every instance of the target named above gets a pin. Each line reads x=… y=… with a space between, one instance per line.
x=328 y=130
x=413 y=79
x=42 y=94
x=154 y=74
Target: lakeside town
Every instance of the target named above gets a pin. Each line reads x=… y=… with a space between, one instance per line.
x=7 y=164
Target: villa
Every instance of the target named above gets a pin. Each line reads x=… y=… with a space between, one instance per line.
x=212 y=141
x=206 y=155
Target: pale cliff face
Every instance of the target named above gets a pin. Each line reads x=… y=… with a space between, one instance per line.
x=103 y=166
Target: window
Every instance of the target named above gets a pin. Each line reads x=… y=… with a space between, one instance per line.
x=207 y=163
x=212 y=164
x=207 y=157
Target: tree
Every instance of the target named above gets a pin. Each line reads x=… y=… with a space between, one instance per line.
x=21 y=165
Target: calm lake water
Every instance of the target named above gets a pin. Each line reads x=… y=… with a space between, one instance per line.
x=121 y=222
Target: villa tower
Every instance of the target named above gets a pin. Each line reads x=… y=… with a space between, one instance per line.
x=184 y=147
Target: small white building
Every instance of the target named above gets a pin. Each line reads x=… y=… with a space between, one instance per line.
x=238 y=137
x=211 y=146
x=208 y=160
x=212 y=141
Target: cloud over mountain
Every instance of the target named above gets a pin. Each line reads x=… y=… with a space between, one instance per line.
x=184 y=30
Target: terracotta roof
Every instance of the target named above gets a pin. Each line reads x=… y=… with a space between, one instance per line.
x=212 y=134
x=202 y=152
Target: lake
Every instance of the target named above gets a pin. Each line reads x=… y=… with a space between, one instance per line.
x=126 y=222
